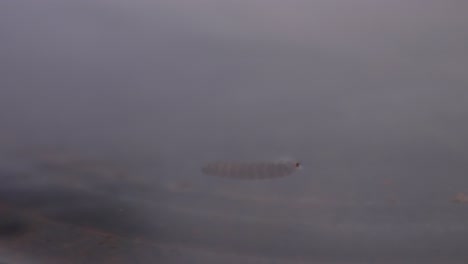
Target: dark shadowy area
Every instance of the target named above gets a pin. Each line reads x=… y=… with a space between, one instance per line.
x=11 y=226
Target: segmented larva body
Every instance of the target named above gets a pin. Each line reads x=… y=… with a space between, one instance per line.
x=250 y=170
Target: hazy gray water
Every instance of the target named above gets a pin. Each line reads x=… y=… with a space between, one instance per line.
x=370 y=96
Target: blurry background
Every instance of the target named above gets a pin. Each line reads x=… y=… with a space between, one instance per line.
x=108 y=109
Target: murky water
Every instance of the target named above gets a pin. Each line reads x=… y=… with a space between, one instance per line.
x=109 y=110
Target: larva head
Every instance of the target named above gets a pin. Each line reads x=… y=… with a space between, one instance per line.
x=297 y=165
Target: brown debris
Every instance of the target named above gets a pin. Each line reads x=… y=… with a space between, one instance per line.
x=460 y=198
